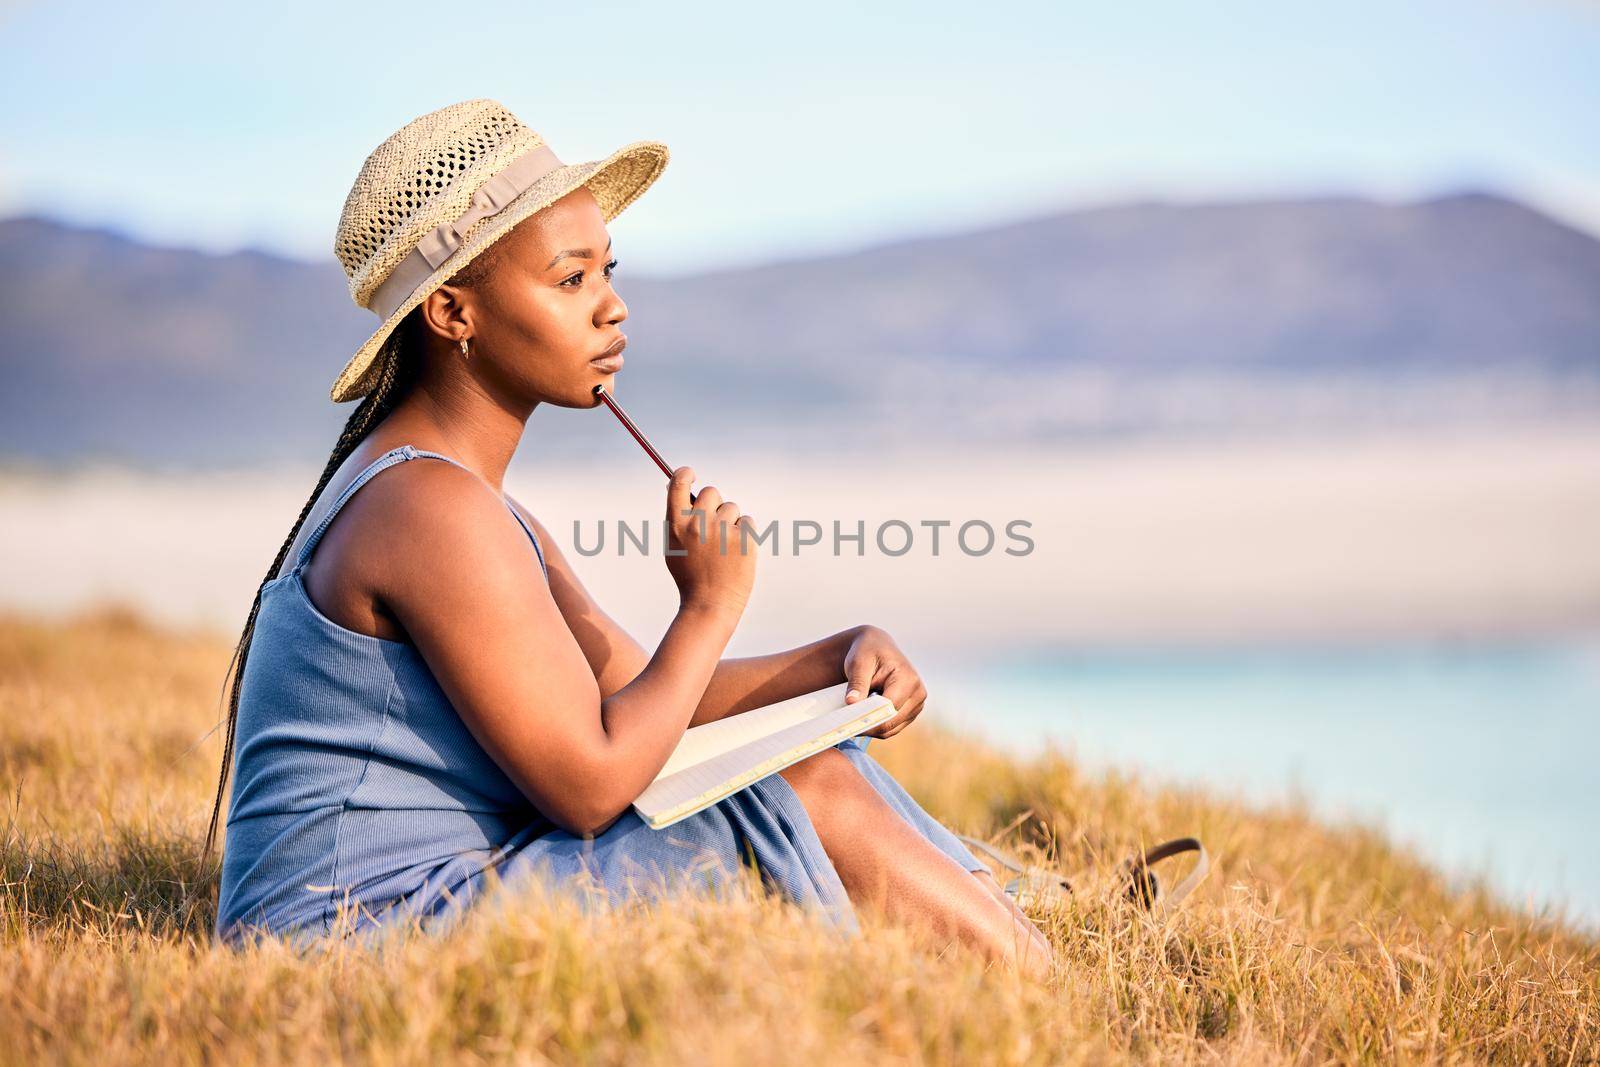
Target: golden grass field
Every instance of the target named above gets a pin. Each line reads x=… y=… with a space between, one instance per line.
x=1308 y=943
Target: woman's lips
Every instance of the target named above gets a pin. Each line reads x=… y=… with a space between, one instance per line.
x=610 y=361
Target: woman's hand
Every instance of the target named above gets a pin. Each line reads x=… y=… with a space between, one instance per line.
x=709 y=556
x=874 y=663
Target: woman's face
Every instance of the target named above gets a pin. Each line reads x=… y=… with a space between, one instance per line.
x=546 y=308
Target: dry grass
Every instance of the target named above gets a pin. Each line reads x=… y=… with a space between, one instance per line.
x=1308 y=943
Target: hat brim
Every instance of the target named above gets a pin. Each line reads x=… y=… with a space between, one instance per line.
x=616 y=181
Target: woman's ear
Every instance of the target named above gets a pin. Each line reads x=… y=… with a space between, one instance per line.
x=445 y=313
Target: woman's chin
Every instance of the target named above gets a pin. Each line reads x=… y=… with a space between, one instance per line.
x=582 y=394
x=579 y=392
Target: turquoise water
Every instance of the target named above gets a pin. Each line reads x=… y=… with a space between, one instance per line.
x=1484 y=757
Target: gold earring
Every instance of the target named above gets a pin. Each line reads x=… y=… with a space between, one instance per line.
x=464 y=353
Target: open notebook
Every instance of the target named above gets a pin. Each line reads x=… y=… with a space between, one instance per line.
x=717 y=759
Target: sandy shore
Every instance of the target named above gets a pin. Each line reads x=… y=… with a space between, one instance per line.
x=1438 y=534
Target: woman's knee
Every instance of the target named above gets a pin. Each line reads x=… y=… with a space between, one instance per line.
x=830 y=786
x=829 y=765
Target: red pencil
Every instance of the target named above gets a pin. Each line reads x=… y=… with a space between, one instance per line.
x=600 y=391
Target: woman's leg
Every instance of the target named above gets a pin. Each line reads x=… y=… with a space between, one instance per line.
x=1017 y=914
x=886 y=865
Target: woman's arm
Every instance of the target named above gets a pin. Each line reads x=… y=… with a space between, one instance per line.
x=462 y=581
x=746 y=682
x=737 y=684
x=613 y=655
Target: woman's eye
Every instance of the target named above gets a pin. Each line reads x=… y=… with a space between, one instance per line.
x=578 y=277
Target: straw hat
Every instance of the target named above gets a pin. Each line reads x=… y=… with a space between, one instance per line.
x=440 y=190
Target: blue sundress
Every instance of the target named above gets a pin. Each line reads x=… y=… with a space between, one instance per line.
x=360 y=794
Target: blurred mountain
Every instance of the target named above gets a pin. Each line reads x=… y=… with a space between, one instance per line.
x=1141 y=318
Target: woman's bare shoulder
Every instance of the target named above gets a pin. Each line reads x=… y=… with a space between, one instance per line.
x=457 y=571
x=407 y=533
x=427 y=506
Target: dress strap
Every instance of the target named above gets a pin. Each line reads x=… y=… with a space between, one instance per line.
x=399 y=455
x=388 y=459
x=538 y=551
x=532 y=537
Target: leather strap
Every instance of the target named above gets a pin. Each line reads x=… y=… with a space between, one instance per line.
x=1148 y=887
x=1144 y=887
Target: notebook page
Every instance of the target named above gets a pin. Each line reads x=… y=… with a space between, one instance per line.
x=736 y=768
x=712 y=739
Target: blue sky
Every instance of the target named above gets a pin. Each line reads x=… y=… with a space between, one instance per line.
x=798 y=128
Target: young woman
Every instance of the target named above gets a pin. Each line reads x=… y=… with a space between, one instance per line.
x=426 y=691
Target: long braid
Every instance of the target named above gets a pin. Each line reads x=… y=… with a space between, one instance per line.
x=399 y=365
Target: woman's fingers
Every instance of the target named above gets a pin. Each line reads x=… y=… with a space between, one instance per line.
x=862 y=674
x=908 y=694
